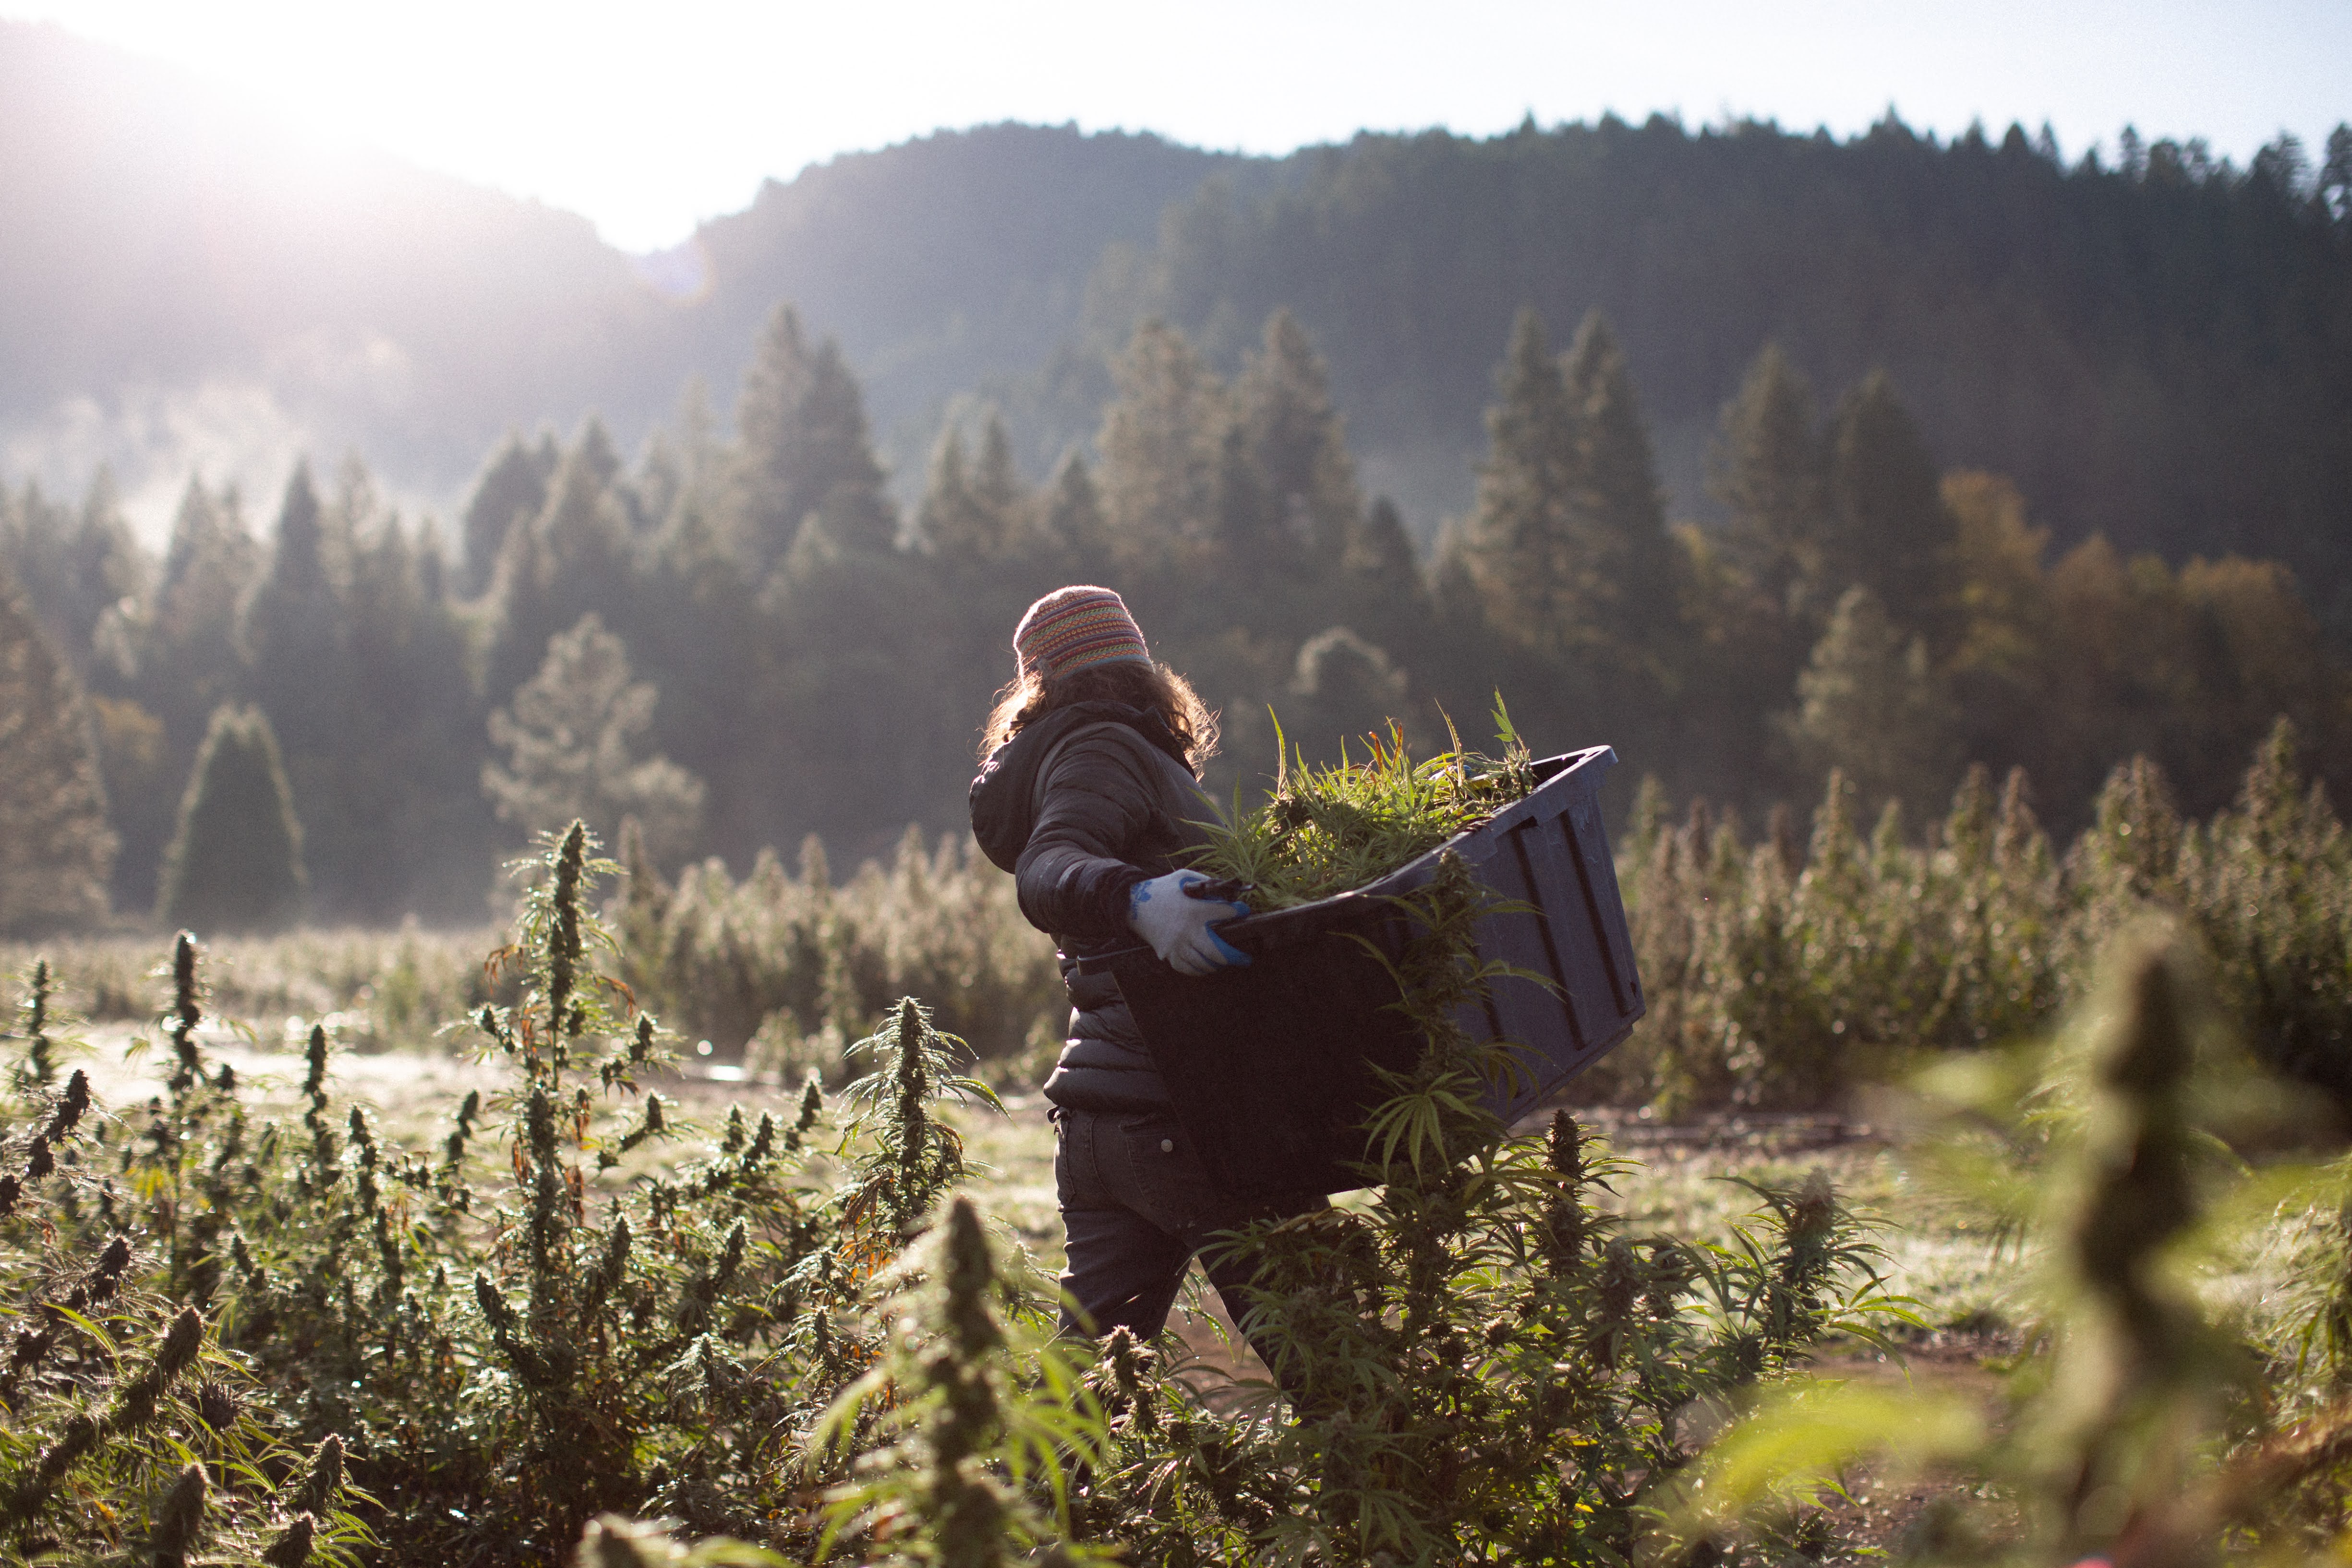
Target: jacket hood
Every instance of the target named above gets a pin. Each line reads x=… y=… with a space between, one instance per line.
x=1004 y=796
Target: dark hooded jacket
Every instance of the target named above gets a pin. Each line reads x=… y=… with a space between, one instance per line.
x=1080 y=805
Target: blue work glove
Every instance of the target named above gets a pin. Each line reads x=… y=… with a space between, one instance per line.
x=1178 y=928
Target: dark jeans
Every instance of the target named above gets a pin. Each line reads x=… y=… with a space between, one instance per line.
x=1136 y=1204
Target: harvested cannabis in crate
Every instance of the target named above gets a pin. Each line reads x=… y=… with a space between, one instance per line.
x=1326 y=828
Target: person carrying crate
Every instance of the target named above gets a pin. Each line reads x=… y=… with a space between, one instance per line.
x=1087 y=795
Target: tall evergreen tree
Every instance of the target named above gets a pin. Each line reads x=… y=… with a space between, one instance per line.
x=1767 y=469
x=574 y=558
x=594 y=448
x=1380 y=556
x=56 y=848
x=1887 y=524
x=802 y=436
x=1517 y=547
x=1247 y=542
x=168 y=665
x=699 y=628
x=997 y=490
x=1159 y=445
x=236 y=863
x=1872 y=705
x=651 y=493
x=1283 y=398
x=301 y=673
x=575 y=738
x=75 y=568
x=416 y=837
x=2336 y=174
x=1626 y=566
x=1070 y=517
x=294 y=624
x=513 y=485
x=951 y=523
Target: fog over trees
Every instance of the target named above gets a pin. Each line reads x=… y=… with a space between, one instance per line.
x=1751 y=453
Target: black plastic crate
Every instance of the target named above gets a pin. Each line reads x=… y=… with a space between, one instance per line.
x=1269 y=1064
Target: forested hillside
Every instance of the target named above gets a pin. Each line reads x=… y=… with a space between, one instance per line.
x=2157 y=346
x=1755 y=455
x=731 y=643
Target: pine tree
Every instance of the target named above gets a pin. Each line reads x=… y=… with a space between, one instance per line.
x=697 y=622
x=292 y=624
x=997 y=490
x=513 y=485
x=1247 y=542
x=576 y=557
x=76 y=569
x=1070 y=518
x=416 y=835
x=1380 y=556
x=1871 y=706
x=2336 y=174
x=1283 y=398
x=56 y=848
x=1160 y=444
x=1888 y=526
x=801 y=424
x=172 y=660
x=298 y=670
x=1767 y=469
x=573 y=737
x=950 y=523
x=594 y=447
x=1517 y=547
x=236 y=863
x=189 y=661
x=1618 y=517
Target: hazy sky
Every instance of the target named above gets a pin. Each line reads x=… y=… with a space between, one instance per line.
x=646 y=117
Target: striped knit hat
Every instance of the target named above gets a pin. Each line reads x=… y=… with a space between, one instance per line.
x=1071 y=628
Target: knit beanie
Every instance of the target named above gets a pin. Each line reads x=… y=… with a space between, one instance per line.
x=1072 y=628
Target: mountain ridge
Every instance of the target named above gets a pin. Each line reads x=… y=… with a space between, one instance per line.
x=2158 y=352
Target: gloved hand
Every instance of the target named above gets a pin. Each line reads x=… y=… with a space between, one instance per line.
x=1178 y=928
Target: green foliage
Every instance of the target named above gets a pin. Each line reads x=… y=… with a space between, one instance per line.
x=1777 y=979
x=574 y=735
x=1481 y=1366
x=1328 y=829
x=804 y=451
x=487 y=1339
x=236 y=863
x=1872 y=705
x=2149 y=1418
x=972 y=1433
x=819 y=661
x=801 y=962
x=131 y=1426
x=286 y=1335
x=54 y=845
x=512 y=485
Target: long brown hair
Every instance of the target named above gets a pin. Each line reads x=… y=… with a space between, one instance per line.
x=1154 y=687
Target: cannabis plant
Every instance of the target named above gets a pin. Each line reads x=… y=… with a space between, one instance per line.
x=1478 y=1366
x=2142 y=1424
x=1326 y=828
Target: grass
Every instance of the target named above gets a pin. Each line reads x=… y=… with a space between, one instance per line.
x=374 y=990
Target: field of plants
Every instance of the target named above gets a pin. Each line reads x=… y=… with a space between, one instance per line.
x=681 y=1203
